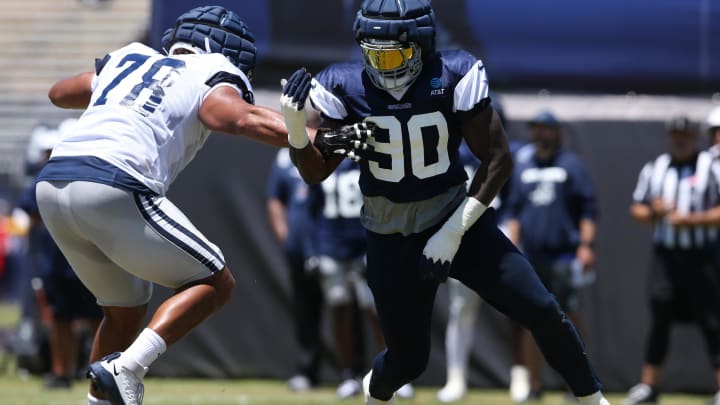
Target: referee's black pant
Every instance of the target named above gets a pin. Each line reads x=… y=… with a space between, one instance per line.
x=684 y=286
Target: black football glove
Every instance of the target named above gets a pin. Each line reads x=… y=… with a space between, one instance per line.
x=349 y=141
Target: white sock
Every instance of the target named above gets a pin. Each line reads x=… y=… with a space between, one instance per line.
x=95 y=401
x=456 y=378
x=594 y=399
x=143 y=352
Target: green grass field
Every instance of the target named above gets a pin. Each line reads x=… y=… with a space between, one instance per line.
x=29 y=391
x=17 y=390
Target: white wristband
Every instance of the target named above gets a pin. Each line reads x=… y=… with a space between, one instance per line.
x=298 y=139
x=465 y=216
x=295 y=122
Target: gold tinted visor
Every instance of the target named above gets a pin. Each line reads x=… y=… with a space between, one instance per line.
x=388 y=58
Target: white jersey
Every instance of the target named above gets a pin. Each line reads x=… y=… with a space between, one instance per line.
x=143 y=114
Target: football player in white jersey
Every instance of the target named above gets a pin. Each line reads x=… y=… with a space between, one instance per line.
x=102 y=194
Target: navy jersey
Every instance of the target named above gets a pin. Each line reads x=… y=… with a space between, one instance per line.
x=286 y=185
x=47 y=258
x=335 y=205
x=549 y=199
x=418 y=131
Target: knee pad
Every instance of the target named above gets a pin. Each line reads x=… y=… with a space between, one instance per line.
x=362 y=291
x=334 y=282
x=464 y=302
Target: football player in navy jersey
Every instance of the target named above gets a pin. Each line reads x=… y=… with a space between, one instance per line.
x=422 y=226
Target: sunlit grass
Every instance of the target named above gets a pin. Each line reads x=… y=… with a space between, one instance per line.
x=9 y=315
x=29 y=391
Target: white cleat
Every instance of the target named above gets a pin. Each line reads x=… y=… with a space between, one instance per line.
x=453 y=391
x=120 y=385
x=406 y=391
x=299 y=383
x=369 y=400
x=348 y=388
x=641 y=394
x=594 y=399
x=715 y=399
x=519 y=383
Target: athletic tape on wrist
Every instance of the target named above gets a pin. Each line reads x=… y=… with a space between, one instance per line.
x=469 y=211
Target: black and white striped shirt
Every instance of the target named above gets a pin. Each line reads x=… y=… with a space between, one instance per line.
x=689 y=187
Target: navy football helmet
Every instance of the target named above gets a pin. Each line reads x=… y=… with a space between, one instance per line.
x=395 y=36
x=213 y=29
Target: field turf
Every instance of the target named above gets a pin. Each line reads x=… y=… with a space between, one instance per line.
x=30 y=391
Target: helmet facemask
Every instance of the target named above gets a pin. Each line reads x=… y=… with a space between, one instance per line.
x=391 y=64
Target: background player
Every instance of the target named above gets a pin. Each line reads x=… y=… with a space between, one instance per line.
x=552 y=211
x=339 y=248
x=72 y=308
x=102 y=194
x=421 y=224
x=289 y=216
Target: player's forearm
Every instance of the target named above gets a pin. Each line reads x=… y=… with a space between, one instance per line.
x=486 y=138
x=224 y=110
x=73 y=93
x=709 y=217
x=312 y=165
x=642 y=213
x=261 y=124
x=490 y=177
x=587 y=231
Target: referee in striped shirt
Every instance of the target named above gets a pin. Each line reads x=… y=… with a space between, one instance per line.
x=677 y=194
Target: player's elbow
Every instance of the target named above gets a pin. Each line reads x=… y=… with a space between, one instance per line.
x=58 y=96
x=74 y=92
x=312 y=177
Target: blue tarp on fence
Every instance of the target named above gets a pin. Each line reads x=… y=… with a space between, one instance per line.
x=657 y=46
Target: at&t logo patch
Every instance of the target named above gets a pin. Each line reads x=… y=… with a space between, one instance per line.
x=436 y=85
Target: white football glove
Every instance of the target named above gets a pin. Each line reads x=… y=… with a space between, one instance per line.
x=441 y=248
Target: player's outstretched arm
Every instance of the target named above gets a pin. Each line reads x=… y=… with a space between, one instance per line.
x=313 y=166
x=224 y=110
x=74 y=92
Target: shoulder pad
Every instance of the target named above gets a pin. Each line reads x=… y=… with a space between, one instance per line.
x=227 y=77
